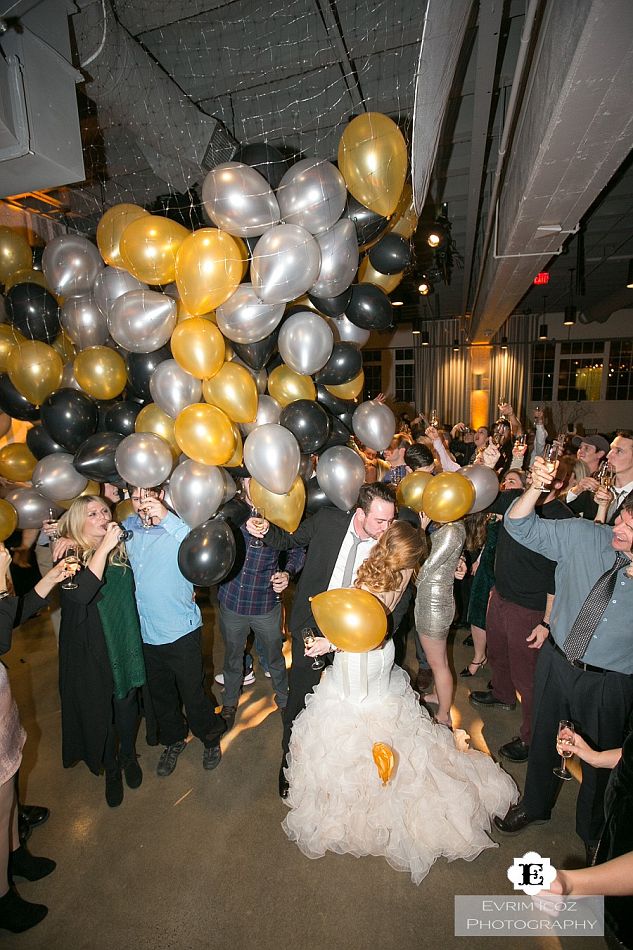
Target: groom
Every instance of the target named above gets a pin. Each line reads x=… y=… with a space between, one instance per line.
x=337 y=543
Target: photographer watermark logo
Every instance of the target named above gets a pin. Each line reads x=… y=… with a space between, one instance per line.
x=531 y=873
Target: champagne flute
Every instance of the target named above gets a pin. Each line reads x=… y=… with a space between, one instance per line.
x=53 y=533
x=503 y=401
x=519 y=441
x=434 y=419
x=259 y=522
x=144 y=494
x=308 y=638
x=605 y=474
x=550 y=457
x=566 y=730
x=72 y=564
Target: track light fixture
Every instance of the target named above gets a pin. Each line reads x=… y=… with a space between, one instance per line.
x=570 y=309
x=425 y=340
x=455 y=345
x=629 y=279
x=542 y=332
x=504 y=343
x=425 y=287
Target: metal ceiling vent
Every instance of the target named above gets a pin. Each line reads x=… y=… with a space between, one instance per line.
x=130 y=90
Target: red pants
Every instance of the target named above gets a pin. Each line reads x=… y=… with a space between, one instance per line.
x=512 y=661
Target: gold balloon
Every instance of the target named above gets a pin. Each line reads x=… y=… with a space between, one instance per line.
x=26 y=276
x=448 y=496
x=283 y=510
x=286 y=386
x=149 y=246
x=111 y=227
x=9 y=337
x=65 y=347
x=15 y=253
x=233 y=390
x=405 y=218
x=198 y=346
x=92 y=488
x=351 y=619
x=17 y=462
x=238 y=456
x=372 y=158
x=384 y=760
x=8 y=519
x=205 y=434
x=208 y=269
x=411 y=489
x=100 y=371
x=367 y=274
x=35 y=369
x=123 y=510
x=151 y=418
x=349 y=390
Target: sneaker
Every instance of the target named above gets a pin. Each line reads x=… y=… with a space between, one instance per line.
x=169 y=758
x=220 y=679
x=267 y=674
x=211 y=757
x=228 y=714
x=249 y=679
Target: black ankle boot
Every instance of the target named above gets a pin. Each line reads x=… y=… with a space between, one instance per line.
x=114 y=788
x=24 y=864
x=131 y=770
x=18 y=915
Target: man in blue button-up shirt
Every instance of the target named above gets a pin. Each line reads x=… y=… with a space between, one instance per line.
x=594 y=692
x=171 y=629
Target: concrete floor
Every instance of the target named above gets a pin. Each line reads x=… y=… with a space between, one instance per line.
x=199 y=860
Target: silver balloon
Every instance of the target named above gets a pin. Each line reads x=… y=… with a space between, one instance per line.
x=268 y=410
x=486 y=485
x=142 y=320
x=196 y=491
x=84 y=322
x=339 y=260
x=32 y=507
x=285 y=263
x=312 y=194
x=68 y=378
x=245 y=319
x=348 y=332
x=111 y=284
x=230 y=488
x=374 y=424
x=173 y=388
x=340 y=473
x=143 y=459
x=56 y=477
x=71 y=264
x=305 y=342
x=272 y=456
x=239 y=200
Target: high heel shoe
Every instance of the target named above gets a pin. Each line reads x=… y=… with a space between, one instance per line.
x=480 y=664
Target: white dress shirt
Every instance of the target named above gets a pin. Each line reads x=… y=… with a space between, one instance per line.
x=362 y=552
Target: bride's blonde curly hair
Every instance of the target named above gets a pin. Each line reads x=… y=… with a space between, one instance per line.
x=399 y=549
x=71 y=525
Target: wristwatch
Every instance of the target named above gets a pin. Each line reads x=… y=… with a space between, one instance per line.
x=545 y=624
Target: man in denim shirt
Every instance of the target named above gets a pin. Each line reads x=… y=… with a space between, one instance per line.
x=171 y=629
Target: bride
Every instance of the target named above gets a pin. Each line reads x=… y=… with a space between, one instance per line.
x=439 y=801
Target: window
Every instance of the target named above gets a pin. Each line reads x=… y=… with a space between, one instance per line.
x=404 y=375
x=620 y=375
x=372 y=366
x=543 y=371
x=580 y=370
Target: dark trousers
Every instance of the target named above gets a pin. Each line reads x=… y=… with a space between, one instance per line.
x=121 y=737
x=599 y=705
x=175 y=678
x=301 y=680
x=512 y=661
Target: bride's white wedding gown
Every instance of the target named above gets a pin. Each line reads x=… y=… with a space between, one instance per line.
x=439 y=801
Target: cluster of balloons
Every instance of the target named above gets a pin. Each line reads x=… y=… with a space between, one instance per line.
x=162 y=354
x=450 y=495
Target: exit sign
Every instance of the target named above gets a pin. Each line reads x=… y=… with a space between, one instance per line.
x=542 y=278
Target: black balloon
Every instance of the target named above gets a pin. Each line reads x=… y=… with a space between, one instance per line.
x=95 y=457
x=121 y=417
x=256 y=355
x=14 y=403
x=339 y=434
x=332 y=306
x=343 y=365
x=391 y=255
x=308 y=422
x=140 y=367
x=40 y=443
x=70 y=417
x=34 y=312
x=369 y=308
x=332 y=403
x=316 y=497
x=207 y=553
x=265 y=159
x=369 y=225
x=346 y=419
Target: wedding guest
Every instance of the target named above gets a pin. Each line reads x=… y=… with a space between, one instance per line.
x=394 y=456
x=591 y=451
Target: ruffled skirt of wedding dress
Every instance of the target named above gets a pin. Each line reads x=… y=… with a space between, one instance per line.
x=438 y=803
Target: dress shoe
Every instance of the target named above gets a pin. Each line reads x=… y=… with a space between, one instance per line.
x=478 y=664
x=18 y=915
x=486 y=699
x=516 y=820
x=24 y=864
x=423 y=681
x=34 y=815
x=284 y=785
x=515 y=751
x=132 y=771
x=113 y=788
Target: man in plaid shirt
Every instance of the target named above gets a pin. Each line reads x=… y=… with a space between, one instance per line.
x=250 y=599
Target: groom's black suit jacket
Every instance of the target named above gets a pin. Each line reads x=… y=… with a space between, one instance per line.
x=322 y=535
